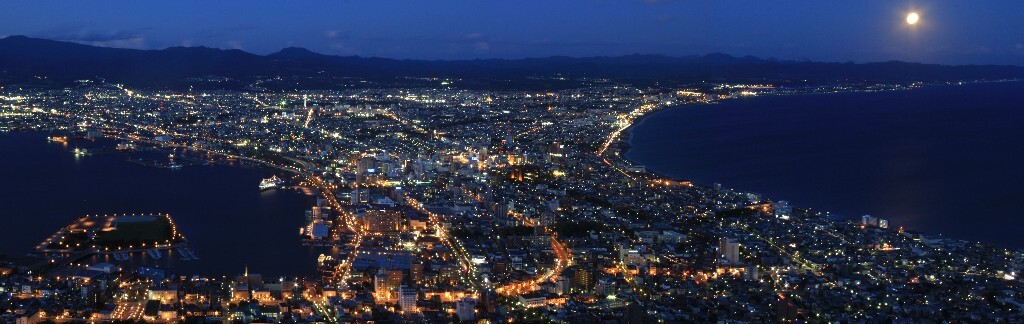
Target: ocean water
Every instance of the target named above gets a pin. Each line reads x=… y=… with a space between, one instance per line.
x=229 y=222
x=944 y=160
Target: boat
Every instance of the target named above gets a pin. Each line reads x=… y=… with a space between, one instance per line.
x=174 y=166
x=81 y=152
x=124 y=146
x=272 y=182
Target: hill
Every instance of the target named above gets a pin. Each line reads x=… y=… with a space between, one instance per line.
x=25 y=60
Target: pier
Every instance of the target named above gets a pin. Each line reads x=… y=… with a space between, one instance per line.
x=109 y=234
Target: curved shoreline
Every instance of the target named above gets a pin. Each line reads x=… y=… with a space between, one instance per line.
x=625 y=138
x=846 y=212
x=205 y=230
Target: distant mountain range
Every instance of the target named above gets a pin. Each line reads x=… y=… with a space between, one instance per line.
x=25 y=60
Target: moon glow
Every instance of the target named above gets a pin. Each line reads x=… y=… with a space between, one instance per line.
x=912 y=18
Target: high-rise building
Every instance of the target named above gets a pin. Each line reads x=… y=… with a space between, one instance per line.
x=489 y=301
x=547 y=219
x=556 y=153
x=416 y=272
x=395 y=279
x=634 y=312
x=360 y=196
x=385 y=285
x=729 y=249
x=465 y=309
x=407 y=298
x=499 y=209
x=782 y=209
x=605 y=286
x=380 y=286
x=750 y=273
x=383 y=220
x=562 y=285
x=870 y=221
x=583 y=279
x=365 y=164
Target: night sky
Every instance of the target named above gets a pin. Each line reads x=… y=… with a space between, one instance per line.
x=949 y=32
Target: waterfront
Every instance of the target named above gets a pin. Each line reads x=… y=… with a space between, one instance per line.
x=430 y=215
x=940 y=159
x=229 y=222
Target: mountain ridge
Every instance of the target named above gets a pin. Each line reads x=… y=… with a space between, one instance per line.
x=30 y=60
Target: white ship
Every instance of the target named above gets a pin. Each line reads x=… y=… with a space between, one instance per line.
x=272 y=182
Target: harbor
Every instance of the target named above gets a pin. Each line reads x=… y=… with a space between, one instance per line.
x=217 y=205
x=118 y=236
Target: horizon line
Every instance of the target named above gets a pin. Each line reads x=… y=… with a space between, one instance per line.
x=767 y=60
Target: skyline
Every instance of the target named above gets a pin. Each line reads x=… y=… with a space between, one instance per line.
x=948 y=33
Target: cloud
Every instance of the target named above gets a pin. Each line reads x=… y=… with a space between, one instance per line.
x=135 y=43
x=118 y=38
x=94 y=36
x=234 y=44
x=476 y=35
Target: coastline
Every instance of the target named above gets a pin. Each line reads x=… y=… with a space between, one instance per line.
x=625 y=144
x=167 y=195
x=625 y=138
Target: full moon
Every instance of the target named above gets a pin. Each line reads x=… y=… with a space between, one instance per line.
x=912 y=18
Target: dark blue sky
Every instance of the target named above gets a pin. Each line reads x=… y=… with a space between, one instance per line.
x=952 y=32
